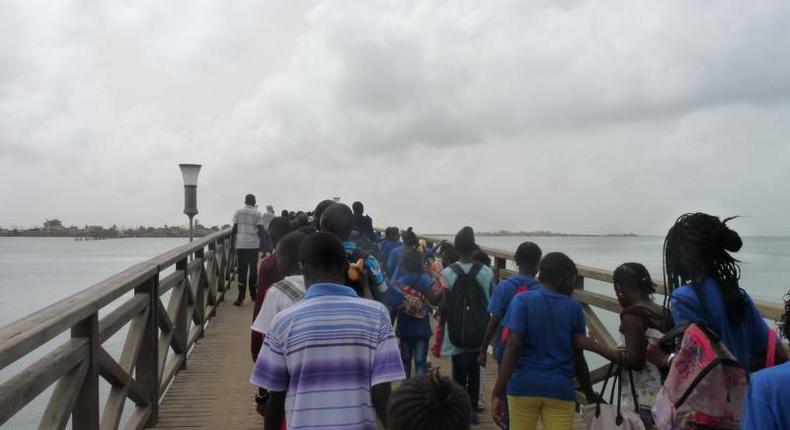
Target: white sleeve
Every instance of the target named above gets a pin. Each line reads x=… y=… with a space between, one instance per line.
x=272 y=304
x=260 y=219
x=235 y=219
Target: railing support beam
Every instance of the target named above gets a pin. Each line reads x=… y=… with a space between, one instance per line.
x=85 y=415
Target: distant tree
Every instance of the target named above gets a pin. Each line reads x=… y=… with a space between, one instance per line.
x=52 y=223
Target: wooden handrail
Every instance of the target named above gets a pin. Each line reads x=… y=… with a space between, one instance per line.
x=144 y=369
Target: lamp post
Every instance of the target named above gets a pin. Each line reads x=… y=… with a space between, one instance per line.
x=190 y=173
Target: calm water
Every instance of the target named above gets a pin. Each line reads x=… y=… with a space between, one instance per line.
x=35 y=272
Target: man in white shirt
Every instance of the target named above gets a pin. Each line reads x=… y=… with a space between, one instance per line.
x=248 y=225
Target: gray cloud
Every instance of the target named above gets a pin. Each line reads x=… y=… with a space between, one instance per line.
x=598 y=116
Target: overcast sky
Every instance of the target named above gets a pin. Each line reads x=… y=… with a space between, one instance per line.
x=578 y=116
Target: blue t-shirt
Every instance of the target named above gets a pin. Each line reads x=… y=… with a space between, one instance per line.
x=500 y=300
x=745 y=339
x=393 y=262
x=768 y=402
x=548 y=321
x=386 y=249
x=407 y=325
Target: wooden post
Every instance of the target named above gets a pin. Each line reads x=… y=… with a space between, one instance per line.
x=499 y=265
x=147 y=367
x=85 y=415
x=200 y=291
x=181 y=321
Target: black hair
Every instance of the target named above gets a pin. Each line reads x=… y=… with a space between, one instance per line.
x=465 y=242
x=284 y=213
x=429 y=402
x=339 y=220
x=411 y=261
x=481 y=257
x=409 y=237
x=555 y=268
x=308 y=229
x=358 y=208
x=697 y=246
x=319 y=210
x=392 y=233
x=301 y=221
x=528 y=254
x=448 y=254
x=278 y=227
x=784 y=323
x=634 y=276
x=322 y=252
x=288 y=252
x=249 y=199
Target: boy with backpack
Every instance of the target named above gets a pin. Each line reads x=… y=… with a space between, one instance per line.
x=465 y=313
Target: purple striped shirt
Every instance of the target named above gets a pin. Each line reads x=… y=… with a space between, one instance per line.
x=327 y=351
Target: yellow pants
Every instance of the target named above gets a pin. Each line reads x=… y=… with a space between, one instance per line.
x=555 y=414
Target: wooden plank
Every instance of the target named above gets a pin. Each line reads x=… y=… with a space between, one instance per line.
x=597 y=300
x=18 y=391
x=170 y=281
x=147 y=359
x=597 y=329
x=138 y=419
x=112 y=322
x=61 y=403
x=116 y=375
x=85 y=415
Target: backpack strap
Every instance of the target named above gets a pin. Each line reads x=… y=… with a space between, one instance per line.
x=289 y=289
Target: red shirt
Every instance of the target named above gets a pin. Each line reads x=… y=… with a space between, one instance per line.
x=268 y=274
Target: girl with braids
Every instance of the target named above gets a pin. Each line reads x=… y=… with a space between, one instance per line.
x=429 y=402
x=702 y=280
x=767 y=402
x=641 y=320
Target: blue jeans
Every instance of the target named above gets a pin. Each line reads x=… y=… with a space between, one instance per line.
x=414 y=348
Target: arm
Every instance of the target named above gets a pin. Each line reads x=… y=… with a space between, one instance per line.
x=493 y=325
x=515 y=343
x=275 y=411
x=583 y=375
x=380 y=396
x=635 y=343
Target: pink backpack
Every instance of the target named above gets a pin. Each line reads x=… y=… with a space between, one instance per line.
x=706 y=385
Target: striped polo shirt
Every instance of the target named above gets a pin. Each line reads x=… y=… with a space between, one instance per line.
x=326 y=352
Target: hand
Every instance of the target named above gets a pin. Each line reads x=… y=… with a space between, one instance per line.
x=656 y=355
x=497 y=409
x=261 y=409
x=482 y=359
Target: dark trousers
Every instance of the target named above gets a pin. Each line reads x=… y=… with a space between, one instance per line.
x=414 y=348
x=248 y=264
x=466 y=372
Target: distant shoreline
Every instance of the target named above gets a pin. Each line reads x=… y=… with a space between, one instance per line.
x=538 y=234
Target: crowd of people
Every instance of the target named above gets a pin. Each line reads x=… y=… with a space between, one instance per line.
x=342 y=313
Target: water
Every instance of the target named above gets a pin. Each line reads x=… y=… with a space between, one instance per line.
x=35 y=272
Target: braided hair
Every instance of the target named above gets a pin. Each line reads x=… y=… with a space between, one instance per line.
x=784 y=324
x=635 y=275
x=698 y=246
x=429 y=402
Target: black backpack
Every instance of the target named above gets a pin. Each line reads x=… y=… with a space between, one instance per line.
x=466 y=312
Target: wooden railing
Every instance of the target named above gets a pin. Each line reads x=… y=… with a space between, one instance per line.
x=155 y=346
x=590 y=300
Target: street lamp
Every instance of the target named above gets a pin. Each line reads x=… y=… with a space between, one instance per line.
x=190 y=173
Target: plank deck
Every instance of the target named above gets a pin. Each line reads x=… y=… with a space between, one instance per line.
x=214 y=391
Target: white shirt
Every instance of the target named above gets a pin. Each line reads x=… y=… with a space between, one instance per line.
x=247 y=219
x=274 y=302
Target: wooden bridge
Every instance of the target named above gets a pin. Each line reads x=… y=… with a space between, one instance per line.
x=184 y=359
